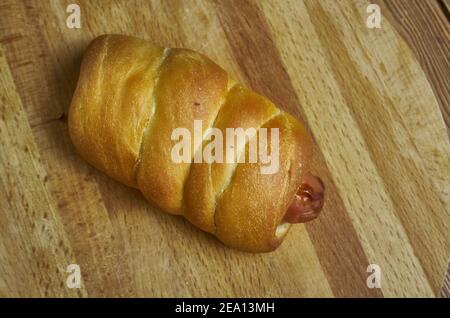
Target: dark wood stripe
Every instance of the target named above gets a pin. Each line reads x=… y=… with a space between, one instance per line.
x=362 y=99
x=250 y=38
x=445 y=8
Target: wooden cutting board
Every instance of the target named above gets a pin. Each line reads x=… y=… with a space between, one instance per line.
x=381 y=149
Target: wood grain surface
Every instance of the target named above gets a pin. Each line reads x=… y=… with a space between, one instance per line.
x=425 y=27
x=372 y=99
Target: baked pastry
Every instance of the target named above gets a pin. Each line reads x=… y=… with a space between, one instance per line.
x=132 y=95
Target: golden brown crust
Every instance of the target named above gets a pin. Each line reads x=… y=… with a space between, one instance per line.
x=242 y=108
x=112 y=103
x=130 y=97
x=253 y=205
x=190 y=87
